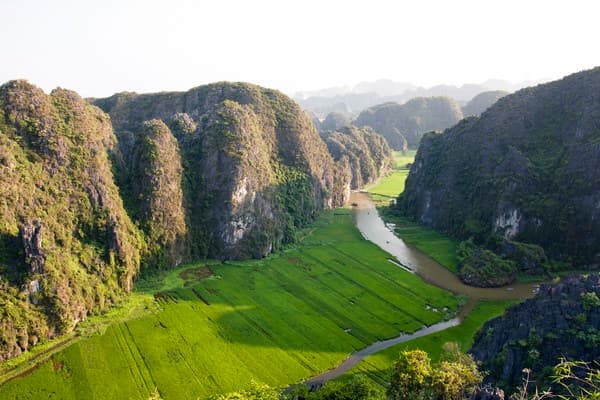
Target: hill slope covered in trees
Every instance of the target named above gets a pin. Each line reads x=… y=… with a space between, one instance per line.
x=405 y=123
x=526 y=170
x=482 y=102
x=67 y=246
x=228 y=170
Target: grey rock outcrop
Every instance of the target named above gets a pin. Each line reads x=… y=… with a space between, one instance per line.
x=563 y=320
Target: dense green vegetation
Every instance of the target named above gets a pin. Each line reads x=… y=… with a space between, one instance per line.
x=526 y=170
x=277 y=320
x=155 y=195
x=361 y=154
x=67 y=247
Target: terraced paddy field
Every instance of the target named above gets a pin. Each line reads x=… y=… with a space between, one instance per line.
x=213 y=327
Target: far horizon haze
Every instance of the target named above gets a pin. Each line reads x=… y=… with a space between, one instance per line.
x=102 y=47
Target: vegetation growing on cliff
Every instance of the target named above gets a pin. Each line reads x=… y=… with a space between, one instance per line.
x=363 y=153
x=254 y=168
x=526 y=170
x=561 y=321
x=68 y=249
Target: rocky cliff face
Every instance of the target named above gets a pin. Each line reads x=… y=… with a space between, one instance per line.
x=527 y=169
x=360 y=154
x=406 y=123
x=67 y=247
x=482 y=102
x=153 y=187
x=254 y=167
x=561 y=321
x=224 y=170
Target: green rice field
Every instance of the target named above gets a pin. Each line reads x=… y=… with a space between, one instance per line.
x=376 y=366
x=389 y=187
x=214 y=327
x=436 y=245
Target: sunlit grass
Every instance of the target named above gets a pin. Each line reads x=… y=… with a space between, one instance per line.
x=377 y=366
x=278 y=320
x=389 y=187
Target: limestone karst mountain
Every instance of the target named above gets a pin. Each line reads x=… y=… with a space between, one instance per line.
x=228 y=170
x=527 y=169
x=482 y=102
x=400 y=123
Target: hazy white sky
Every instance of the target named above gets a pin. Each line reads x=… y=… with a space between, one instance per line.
x=100 y=47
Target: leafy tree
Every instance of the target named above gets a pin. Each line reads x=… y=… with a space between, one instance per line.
x=413 y=376
x=410 y=375
x=357 y=388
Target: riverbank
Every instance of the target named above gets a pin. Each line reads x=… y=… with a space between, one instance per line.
x=374 y=229
x=476 y=311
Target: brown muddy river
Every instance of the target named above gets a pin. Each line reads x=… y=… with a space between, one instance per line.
x=373 y=228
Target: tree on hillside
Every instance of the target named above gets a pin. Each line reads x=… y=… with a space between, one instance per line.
x=413 y=376
x=409 y=376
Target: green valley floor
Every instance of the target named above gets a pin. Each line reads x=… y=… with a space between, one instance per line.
x=218 y=326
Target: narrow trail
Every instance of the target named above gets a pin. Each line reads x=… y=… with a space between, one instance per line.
x=373 y=228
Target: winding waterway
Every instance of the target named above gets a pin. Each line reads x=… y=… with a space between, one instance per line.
x=373 y=228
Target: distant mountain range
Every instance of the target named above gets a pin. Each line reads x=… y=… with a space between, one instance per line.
x=366 y=94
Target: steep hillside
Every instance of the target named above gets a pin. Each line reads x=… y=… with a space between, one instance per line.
x=561 y=321
x=360 y=154
x=406 y=123
x=224 y=170
x=254 y=167
x=527 y=169
x=335 y=121
x=482 y=102
x=67 y=247
x=153 y=189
